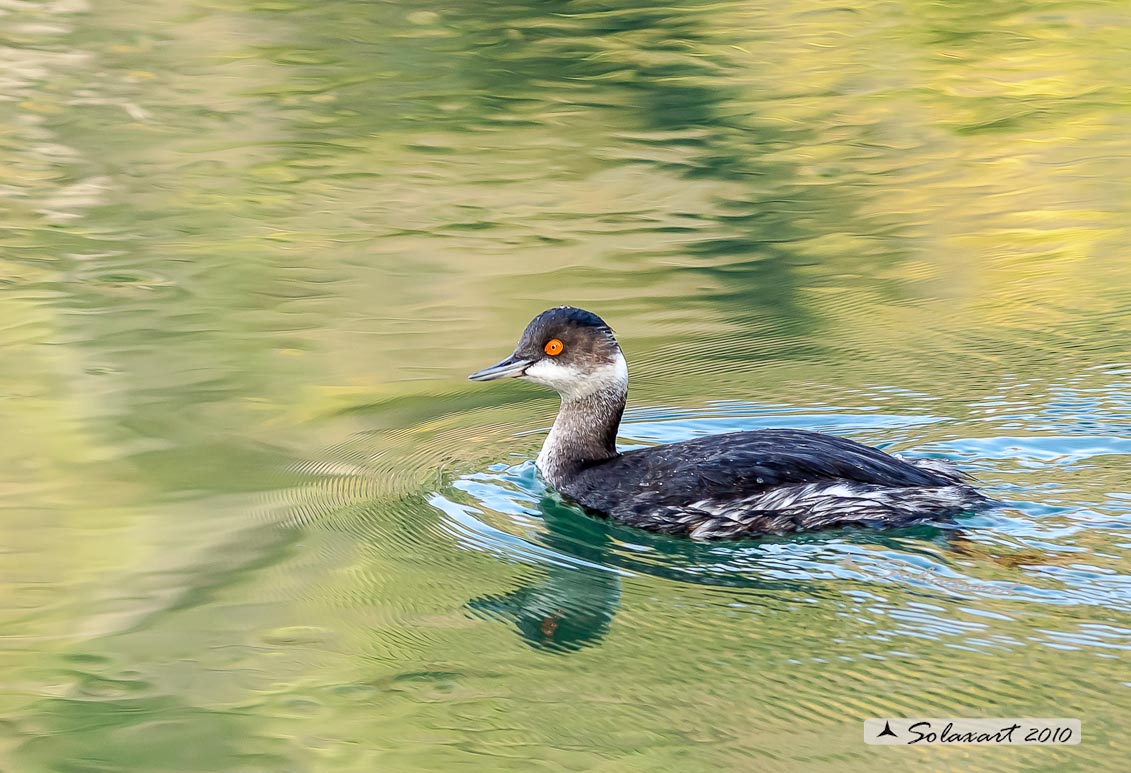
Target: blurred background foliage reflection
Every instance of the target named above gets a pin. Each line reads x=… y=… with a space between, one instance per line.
x=254 y=518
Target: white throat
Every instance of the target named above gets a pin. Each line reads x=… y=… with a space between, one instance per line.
x=585 y=429
x=574 y=384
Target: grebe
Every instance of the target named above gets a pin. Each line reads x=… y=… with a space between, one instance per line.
x=727 y=486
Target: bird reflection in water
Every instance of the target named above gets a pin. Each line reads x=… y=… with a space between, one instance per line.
x=567 y=607
x=569 y=604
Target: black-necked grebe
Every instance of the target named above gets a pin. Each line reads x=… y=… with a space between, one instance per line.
x=717 y=487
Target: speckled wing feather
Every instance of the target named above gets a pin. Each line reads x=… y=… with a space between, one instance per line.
x=766 y=481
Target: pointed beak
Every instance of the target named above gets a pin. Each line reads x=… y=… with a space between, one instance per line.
x=511 y=367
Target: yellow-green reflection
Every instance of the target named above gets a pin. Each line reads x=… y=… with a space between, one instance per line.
x=251 y=249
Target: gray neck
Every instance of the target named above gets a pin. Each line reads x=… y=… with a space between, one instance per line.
x=584 y=432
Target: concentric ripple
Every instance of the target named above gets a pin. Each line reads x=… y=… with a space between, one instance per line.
x=255 y=518
x=1029 y=559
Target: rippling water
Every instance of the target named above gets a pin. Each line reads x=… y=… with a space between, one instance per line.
x=256 y=519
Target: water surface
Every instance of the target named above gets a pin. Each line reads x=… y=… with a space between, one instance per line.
x=256 y=519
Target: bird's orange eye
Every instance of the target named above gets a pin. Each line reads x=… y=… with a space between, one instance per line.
x=553 y=347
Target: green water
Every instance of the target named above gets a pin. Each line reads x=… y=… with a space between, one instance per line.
x=256 y=519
